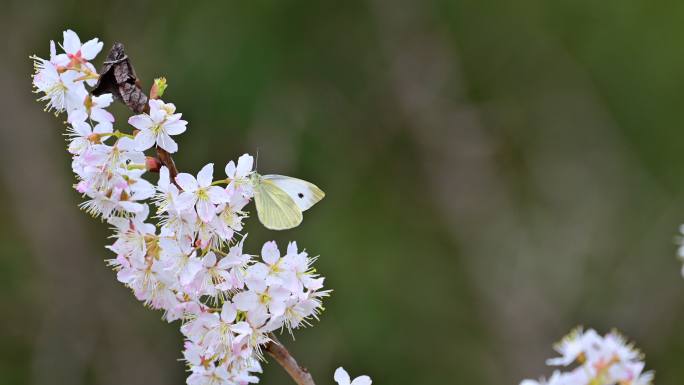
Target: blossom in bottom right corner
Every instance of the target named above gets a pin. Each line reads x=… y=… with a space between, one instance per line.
x=596 y=360
x=342 y=378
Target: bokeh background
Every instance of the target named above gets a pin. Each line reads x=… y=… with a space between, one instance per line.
x=496 y=172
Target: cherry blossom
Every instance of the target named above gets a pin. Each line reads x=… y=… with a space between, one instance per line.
x=342 y=378
x=200 y=192
x=596 y=360
x=158 y=126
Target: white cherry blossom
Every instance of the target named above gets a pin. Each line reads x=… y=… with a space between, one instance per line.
x=158 y=126
x=200 y=193
x=342 y=378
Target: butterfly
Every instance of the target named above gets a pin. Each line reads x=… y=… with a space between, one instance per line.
x=280 y=200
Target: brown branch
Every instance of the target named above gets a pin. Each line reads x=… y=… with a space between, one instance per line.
x=299 y=374
x=118 y=77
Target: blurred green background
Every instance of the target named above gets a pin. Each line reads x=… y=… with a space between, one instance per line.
x=496 y=173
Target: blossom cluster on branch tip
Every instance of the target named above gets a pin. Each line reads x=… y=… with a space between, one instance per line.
x=179 y=243
x=596 y=360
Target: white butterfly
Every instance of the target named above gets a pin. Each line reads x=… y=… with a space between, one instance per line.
x=280 y=200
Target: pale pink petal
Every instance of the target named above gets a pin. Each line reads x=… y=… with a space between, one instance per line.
x=209 y=259
x=185 y=200
x=103 y=128
x=60 y=60
x=245 y=300
x=79 y=115
x=131 y=206
x=141 y=122
x=164 y=179
x=218 y=195
x=142 y=189
x=276 y=308
x=71 y=42
x=126 y=275
x=164 y=141
x=175 y=128
x=157 y=115
x=156 y=104
x=342 y=377
x=292 y=248
x=91 y=48
x=187 y=182
x=230 y=169
x=206 y=210
x=101 y=115
x=241 y=328
x=228 y=312
x=53 y=50
x=191 y=269
x=206 y=175
x=126 y=144
x=362 y=380
x=244 y=167
x=144 y=140
x=103 y=101
x=270 y=252
x=82 y=128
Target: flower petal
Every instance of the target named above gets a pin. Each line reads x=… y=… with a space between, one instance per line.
x=166 y=142
x=91 y=48
x=141 y=122
x=245 y=301
x=175 y=128
x=362 y=380
x=270 y=252
x=244 y=166
x=187 y=182
x=218 y=195
x=77 y=116
x=103 y=101
x=206 y=175
x=185 y=200
x=144 y=140
x=342 y=377
x=71 y=42
x=101 y=115
x=228 y=312
x=206 y=210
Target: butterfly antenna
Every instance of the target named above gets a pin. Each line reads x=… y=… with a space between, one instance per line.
x=256 y=161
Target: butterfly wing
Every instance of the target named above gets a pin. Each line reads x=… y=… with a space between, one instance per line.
x=275 y=208
x=304 y=194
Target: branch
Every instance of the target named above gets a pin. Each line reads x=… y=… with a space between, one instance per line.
x=118 y=77
x=299 y=374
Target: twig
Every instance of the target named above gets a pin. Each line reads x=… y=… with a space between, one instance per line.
x=118 y=78
x=299 y=374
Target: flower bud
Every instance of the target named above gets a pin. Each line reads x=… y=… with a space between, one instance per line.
x=152 y=164
x=158 y=88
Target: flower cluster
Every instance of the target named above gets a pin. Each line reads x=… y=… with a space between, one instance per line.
x=596 y=360
x=179 y=243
